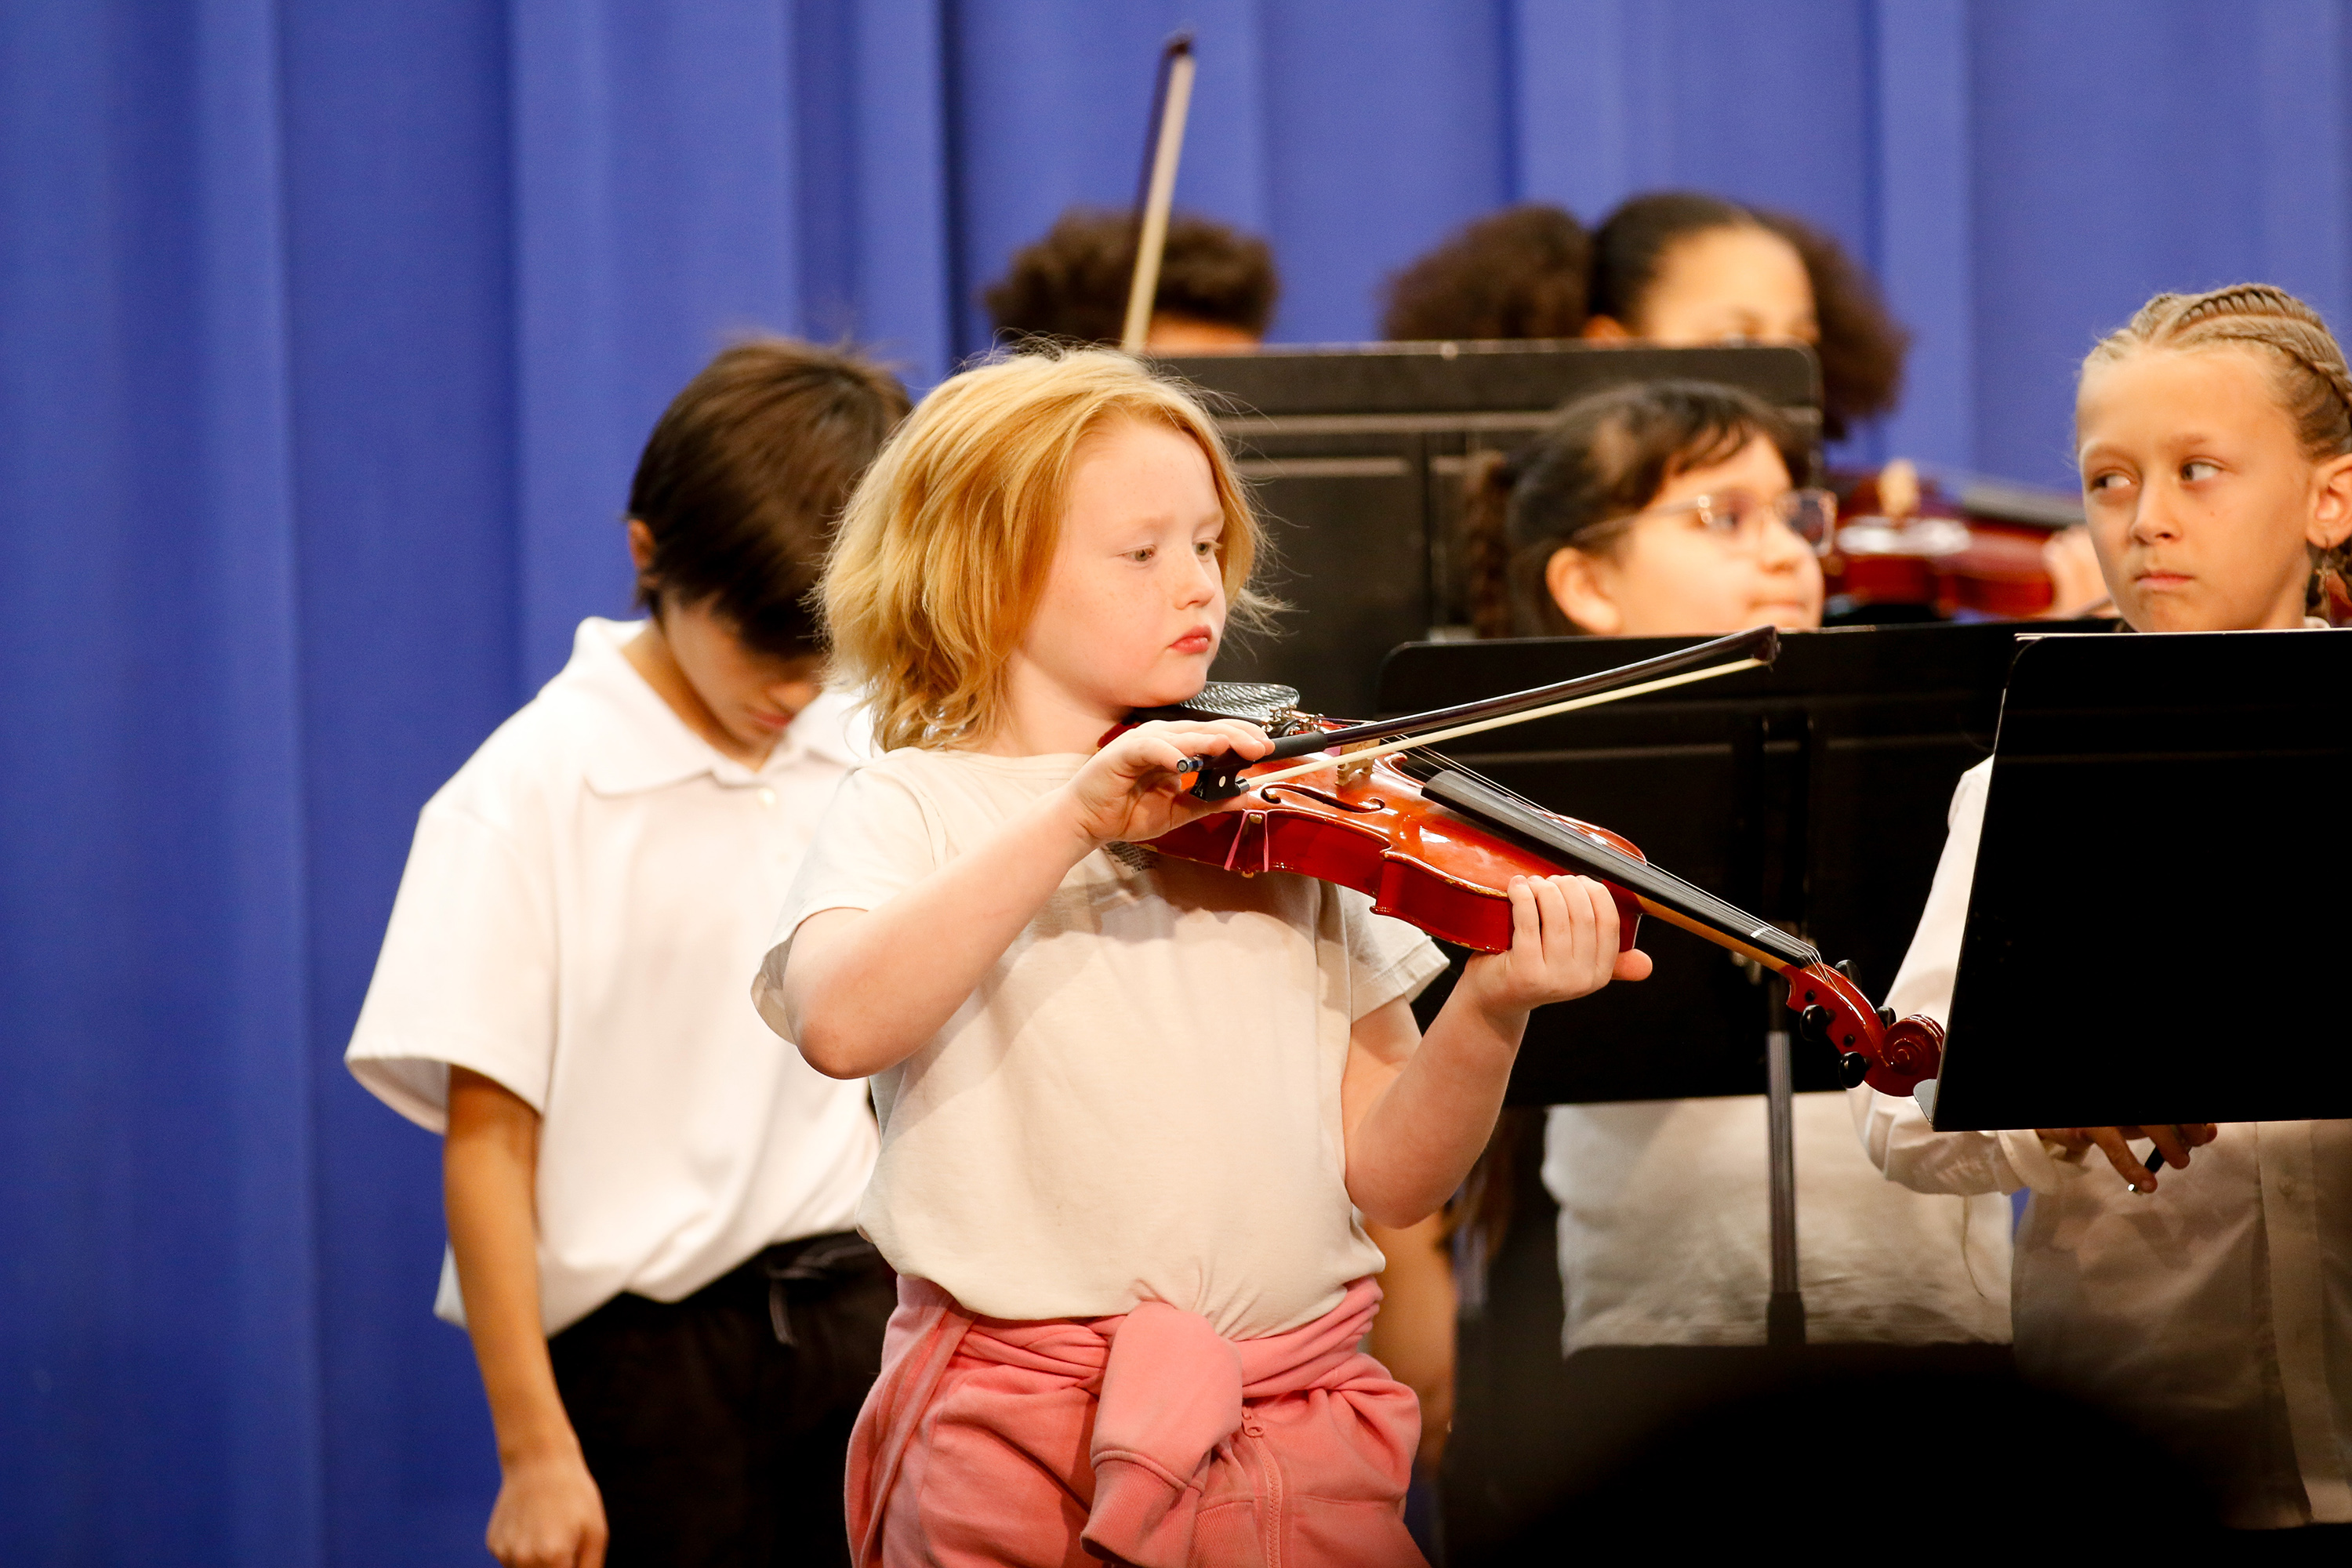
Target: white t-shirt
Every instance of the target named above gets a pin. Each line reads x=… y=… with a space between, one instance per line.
x=1665 y=1231
x=580 y=909
x=1140 y=1101
x=2216 y=1310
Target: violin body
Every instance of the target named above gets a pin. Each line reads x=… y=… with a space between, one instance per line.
x=1377 y=833
x=1975 y=571
x=1938 y=560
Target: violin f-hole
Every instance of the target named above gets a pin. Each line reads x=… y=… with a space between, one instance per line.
x=1271 y=794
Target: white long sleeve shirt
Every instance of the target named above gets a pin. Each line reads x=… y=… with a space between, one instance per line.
x=2216 y=1312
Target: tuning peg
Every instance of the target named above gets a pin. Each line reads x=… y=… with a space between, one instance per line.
x=1886 y=1017
x=1813 y=1023
x=1852 y=1067
x=1854 y=976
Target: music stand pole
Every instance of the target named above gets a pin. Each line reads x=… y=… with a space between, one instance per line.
x=1784 y=1313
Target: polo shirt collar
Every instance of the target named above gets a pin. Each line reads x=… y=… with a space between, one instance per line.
x=632 y=741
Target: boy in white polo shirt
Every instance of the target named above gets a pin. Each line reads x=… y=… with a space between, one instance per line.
x=650 y=1204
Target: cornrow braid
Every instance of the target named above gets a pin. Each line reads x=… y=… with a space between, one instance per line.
x=2314 y=381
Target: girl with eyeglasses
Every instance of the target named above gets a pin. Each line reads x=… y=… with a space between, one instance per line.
x=1664 y=509
x=1672 y=509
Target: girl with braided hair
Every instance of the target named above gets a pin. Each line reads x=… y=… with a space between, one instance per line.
x=2214 y=436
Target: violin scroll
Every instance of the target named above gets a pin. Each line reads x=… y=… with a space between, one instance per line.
x=1872 y=1046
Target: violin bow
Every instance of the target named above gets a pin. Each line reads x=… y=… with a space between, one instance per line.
x=1750 y=649
x=1171 y=99
x=1414 y=742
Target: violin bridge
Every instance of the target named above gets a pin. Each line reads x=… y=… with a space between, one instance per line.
x=1354 y=773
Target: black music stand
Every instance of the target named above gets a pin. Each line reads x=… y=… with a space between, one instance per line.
x=1813 y=794
x=2158 y=926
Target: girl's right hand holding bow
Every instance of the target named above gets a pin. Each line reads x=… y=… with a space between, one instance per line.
x=1132 y=790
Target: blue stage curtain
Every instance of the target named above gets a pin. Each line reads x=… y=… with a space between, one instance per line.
x=328 y=335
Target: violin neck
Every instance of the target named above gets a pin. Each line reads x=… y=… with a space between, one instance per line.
x=1660 y=892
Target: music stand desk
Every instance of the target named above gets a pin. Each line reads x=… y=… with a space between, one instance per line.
x=2158 y=928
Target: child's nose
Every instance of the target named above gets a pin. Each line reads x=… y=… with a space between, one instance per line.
x=1200 y=584
x=2157 y=516
x=1782 y=548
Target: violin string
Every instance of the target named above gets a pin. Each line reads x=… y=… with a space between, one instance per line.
x=1727 y=916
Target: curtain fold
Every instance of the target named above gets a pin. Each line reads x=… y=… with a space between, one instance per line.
x=162 y=1319
x=328 y=335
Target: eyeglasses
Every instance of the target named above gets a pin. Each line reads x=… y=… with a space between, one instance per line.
x=1739 y=518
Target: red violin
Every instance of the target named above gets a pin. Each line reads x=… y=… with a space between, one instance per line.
x=1903 y=544
x=1436 y=845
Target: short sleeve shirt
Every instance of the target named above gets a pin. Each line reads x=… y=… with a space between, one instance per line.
x=580 y=907
x=1140 y=1101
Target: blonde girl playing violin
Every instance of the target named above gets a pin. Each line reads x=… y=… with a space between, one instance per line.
x=2214 y=436
x=1131 y=1107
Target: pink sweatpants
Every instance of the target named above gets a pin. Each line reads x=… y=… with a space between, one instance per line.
x=1142 y=1439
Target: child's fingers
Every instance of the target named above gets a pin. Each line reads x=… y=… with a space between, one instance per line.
x=1211 y=736
x=1142 y=754
x=1527 y=923
x=1604 y=917
x=1166 y=747
x=1553 y=909
x=2110 y=1143
x=1243 y=738
x=1584 y=925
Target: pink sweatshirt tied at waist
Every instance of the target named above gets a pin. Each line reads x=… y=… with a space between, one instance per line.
x=1147 y=1437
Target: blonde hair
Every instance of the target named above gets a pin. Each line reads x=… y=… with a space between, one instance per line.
x=2309 y=370
x=947 y=541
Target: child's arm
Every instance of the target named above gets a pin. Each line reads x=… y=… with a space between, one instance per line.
x=548 y=1514
x=864 y=989
x=1417 y=1109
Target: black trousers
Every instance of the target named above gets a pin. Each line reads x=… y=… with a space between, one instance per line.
x=716 y=1426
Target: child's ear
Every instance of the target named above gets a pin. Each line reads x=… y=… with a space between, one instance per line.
x=1574 y=580
x=2331 y=511
x=641 y=546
